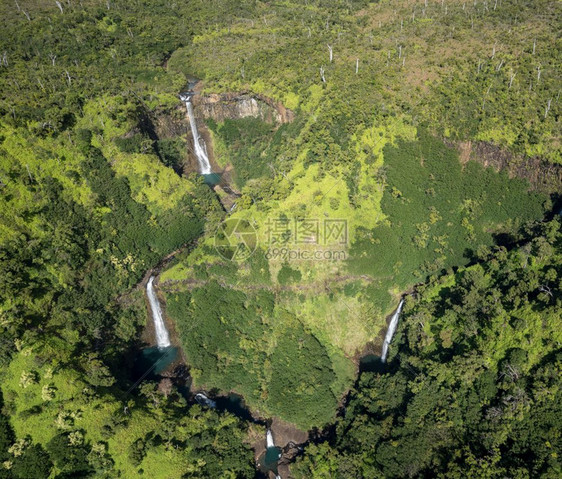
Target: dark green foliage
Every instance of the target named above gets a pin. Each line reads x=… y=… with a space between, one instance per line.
x=132 y=144
x=34 y=462
x=6 y=438
x=171 y=152
x=227 y=331
x=247 y=140
x=439 y=212
x=213 y=320
x=301 y=377
x=102 y=58
x=465 y=393
x=475 y=385
x=70 y=459
x=137 y=451
x=288 y=275
x=222 y=450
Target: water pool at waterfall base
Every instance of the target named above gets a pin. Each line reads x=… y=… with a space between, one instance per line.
x=269 y=459
x=371 y=363
x=153 y=361
x=212 y=179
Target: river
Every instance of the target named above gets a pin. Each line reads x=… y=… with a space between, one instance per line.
x=159 y=358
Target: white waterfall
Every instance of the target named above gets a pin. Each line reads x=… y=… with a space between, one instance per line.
x=162 y=336
x=205 y=401
x=269 y=439
x=200 y=152
x=390 y=331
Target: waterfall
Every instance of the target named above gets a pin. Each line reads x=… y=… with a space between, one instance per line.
x=200 y=153
x=162 y=336
x=390 y=331
x=203 y=400
x=269 y=439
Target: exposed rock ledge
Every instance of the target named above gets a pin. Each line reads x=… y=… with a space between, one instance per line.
x=542 y=175
x=232 y=106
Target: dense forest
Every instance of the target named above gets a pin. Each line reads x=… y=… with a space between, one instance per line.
x=473 y=388
x=428 y=132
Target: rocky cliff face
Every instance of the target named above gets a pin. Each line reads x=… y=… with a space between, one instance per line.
x=233 y=106
x=542 y=175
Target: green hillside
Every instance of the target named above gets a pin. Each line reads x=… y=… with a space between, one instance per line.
x=419 y=154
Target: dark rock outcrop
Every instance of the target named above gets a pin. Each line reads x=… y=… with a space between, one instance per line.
x=542 y=175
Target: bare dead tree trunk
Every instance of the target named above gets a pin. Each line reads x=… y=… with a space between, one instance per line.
x=331 y=53
x=18 y=6
x=499 y=66
x=511 y=79
x=400 y=51
x=68 y=77
x=544 y=288
x=26 y=15
x=356 y=66
x=539 y=73
x=53 y=58
x=28 y=172
x=534 y=45
x=547 y=109
x=322 y=74
x=59 y=5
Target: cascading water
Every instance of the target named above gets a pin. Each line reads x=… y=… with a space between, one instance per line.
x=162 y=336
x=272 y=455
x=200 y=153
x=269 y=460
x=205 y=401
x=269 y=439
x=390 y=331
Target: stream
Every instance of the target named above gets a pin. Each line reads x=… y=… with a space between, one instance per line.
x=157 y=359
